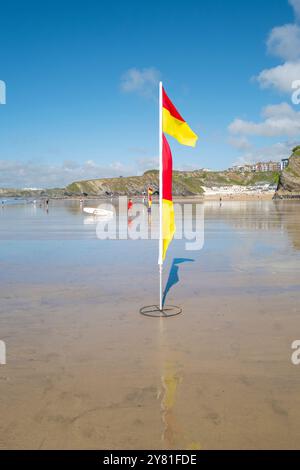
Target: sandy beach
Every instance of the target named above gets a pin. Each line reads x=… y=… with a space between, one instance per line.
x=86 y=370
x=254 y=196
x=238 y=193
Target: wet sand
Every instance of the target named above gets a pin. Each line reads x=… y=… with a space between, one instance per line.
x=85 y=370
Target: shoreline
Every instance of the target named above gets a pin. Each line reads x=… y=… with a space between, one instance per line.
x=243 y=196
x=210 y=195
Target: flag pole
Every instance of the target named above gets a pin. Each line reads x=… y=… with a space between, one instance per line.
x=160 y=260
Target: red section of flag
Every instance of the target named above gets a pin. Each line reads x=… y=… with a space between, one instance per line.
x=167 y=104
x=167 y=170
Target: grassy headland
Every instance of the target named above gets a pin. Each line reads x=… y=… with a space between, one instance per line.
x=185 y=183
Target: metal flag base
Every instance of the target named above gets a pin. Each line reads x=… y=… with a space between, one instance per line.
x=155 y=312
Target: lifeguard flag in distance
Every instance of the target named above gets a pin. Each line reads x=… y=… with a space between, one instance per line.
x=175 y=125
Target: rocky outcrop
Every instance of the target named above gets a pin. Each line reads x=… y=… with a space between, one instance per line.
x=289 y=181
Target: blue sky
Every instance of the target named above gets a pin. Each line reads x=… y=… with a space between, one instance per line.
x=81 y=84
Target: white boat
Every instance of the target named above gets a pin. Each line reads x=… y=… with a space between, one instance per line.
x=98 y=212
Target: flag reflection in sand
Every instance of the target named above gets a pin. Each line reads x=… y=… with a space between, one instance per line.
x=173 y=434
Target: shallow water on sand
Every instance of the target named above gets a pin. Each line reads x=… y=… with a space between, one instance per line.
x=86 y=370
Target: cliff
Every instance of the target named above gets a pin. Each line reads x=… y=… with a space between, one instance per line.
x=32 y=193
x=289 y=181
x=185 y=183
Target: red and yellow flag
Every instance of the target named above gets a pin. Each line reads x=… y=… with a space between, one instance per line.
x=168 y=218
x=174 y=125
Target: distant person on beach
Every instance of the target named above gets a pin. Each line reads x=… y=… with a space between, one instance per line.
x=130 y=204
x=47 y=205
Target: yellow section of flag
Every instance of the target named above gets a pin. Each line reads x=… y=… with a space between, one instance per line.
x=180 y=130
x=168 y=226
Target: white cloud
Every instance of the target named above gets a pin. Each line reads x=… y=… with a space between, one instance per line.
x=279 y=110
x=143 y=81
x=118 y=167
x=273 y=152
x=280 y=120
x=240 y=143
x=280 y=77
x=296 y=6
x=144 y=164
x=16 y=174
x=284 y=42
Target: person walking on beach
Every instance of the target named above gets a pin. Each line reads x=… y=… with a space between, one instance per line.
x=46 y=207
x=130 y=204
